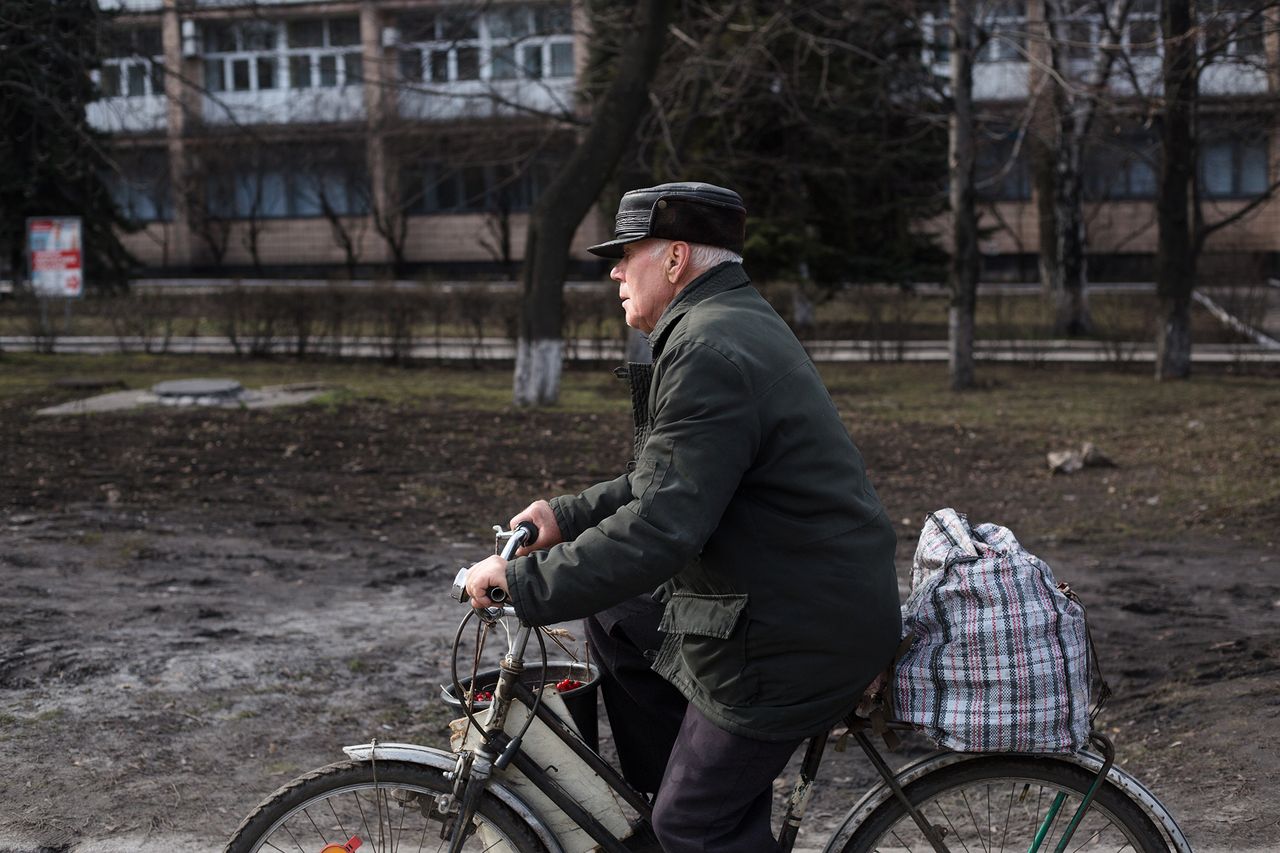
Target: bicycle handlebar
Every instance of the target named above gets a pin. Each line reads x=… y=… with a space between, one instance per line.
x=521 y=534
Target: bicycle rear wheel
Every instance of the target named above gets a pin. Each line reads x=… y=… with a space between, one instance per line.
x=397 y=813
x=1001 y=802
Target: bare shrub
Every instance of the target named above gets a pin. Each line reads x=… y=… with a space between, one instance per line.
x=249 y=318
x=146 y=319
x=42 y=328
x=393 y=314
x=478 y=307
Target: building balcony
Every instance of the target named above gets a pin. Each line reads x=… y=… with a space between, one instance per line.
x=136 y=114
x=336 y=105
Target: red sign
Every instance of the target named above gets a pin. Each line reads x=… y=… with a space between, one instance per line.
x=54 y=256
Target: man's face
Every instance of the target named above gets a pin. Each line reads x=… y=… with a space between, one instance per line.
x=643 y=285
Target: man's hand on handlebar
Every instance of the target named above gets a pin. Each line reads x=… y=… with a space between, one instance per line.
x=542 y=516
x=489 y=573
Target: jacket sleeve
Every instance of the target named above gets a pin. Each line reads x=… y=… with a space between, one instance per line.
x=706 y=432
x=576 y=513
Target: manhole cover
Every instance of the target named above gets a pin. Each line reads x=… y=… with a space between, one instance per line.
x=199 y=391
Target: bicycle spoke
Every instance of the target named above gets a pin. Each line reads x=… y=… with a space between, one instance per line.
x=954 y=831
x=990 y=826
x=320 y=832
x=964 y=795
x=294 y=840
x=342 y=829
x=905 y=846
x=1008 y=815
x=364 y=819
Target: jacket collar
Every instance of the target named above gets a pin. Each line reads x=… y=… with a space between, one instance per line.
x=723 y=277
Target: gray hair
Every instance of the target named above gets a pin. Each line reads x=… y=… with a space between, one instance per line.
x=701 y=256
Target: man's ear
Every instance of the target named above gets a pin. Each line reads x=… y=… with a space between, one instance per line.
x=677 y=260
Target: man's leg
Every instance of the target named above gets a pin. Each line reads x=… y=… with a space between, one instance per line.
x=718 y=792
x=645 y=711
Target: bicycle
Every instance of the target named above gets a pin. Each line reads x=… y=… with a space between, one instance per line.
x=493 y=794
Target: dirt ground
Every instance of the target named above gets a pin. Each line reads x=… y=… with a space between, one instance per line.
x=197 y=606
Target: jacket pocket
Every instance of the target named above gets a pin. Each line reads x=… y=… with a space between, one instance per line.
x=706 y=643
x=647 y=479
x=703 y=615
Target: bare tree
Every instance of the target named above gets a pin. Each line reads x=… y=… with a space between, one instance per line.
x=562 y=206
x=962 y=274
x=1067 y=103
x=1180 y=206
x=1175 y=258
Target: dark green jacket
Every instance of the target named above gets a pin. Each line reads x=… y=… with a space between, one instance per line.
x=750 y=506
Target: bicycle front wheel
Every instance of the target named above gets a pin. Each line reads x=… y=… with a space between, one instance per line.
x=397 y=812
x=1006 y=802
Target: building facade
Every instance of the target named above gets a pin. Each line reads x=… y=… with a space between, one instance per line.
x=331 y=136
x=343 y=136
x=1238 y=145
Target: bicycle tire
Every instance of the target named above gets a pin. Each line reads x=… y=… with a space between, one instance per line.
x=1010 y=796
x=331 y=804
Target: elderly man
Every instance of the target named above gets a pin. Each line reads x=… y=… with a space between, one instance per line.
x=748 y=509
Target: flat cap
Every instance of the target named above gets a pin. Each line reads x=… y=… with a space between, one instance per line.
x=692 y=212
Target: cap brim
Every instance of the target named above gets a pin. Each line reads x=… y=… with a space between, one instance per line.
x=613 y=249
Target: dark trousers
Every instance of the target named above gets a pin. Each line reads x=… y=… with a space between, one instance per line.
x=714 y=789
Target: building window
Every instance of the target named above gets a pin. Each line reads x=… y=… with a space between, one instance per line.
x=1142 y=28
x=936 y=30
x=133 y=66
x=307 y=187
x=1005 y=24
x=477 y=188
x=504 y=43
x=1233 y=30
x=1234 y=167
x=1121 y=168
x=139 y=186
x=1001 y=172
x=253 y=56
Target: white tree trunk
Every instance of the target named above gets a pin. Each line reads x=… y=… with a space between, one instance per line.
x=537 y=374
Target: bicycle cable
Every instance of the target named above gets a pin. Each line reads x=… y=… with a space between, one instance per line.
x=487 y=736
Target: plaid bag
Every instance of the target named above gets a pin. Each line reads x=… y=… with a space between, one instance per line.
x=1001 y=656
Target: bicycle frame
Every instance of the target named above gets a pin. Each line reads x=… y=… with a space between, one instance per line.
x=472 y=771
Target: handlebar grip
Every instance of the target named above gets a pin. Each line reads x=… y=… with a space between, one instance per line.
x=496 y=594
x=530 y=532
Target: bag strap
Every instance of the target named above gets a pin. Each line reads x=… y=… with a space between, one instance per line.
x=1099 y=691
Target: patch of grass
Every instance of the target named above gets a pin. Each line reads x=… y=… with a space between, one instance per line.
x=1190 y=455
x=487 y=388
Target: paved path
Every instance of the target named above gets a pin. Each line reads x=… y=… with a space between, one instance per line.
x=502 y=349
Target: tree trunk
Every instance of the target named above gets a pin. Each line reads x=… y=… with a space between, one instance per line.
x=963 y=271
x=567 y=200
x=1071 y=308
x=1175 y=256
x=1066 y=105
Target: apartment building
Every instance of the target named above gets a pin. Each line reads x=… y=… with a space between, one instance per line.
x=305 y=136
x=317 y=136
x=1239 y=147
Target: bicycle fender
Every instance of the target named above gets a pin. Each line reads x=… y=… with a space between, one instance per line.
x=936 y=761
x=441 y=760
x=1140 y=794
